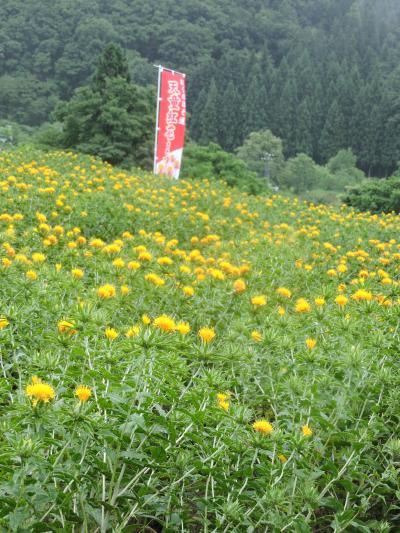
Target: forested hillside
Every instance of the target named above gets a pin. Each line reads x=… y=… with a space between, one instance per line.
x=321 y=74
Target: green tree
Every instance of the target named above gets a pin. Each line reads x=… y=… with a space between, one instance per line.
x=214 y=163
x=89 y=35
x=376 y=195
x=230 y=123
x=333 y=134
x=204 y=121
x=13 y=134
x=370 y=125
x=111 y=117
x=300 y=174
x=349 y=88
x=255 y=117
x=281 y=75
x=344 y=162
x=304 y=131
x=317 y=119
x=25 y=99
x=263 y=154
x=287 y=114
x=391 y=144
x=111 y=64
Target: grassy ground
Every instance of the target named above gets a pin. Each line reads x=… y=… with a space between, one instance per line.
x=179 y=356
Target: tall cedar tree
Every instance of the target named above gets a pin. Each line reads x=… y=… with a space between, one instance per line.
x=111 y=117
x=205 y=115
x=333 y=134
x=255 y=103
x=230 y=124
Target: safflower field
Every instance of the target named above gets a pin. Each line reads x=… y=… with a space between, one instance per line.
x=181 y=356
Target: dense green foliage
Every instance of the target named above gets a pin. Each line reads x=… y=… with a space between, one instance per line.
x=111 y=117
x=378 y=196
x=12 y=134
x=252 y=172
x=263 y=153
x=301 y=175
x=239 y=356
x=214 y=163
x=320 y=74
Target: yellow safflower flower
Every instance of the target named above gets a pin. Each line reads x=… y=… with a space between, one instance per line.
x=222 y=396
x=239 y=285
x=183 y=328
x=362 y=295
x=106 y=291
x=223 y=400
x=83 y=393
x=146 y=320
x=302 y=306
x=206 y=334
x=164 y=261
x=96 y=243
x=165 y=323
x=188 y=291
x=31 y=275
x=66 y=327
x=154 y=279
x=133 y=331
x=58 y=230
x=125 y=289
x=223 y=404
x=341 y=300
x=37 y=257
x=39 y=391
x=77 y=273
x=311 y=343
x=133 y=265
x=307 y=431
x=111 y=333
x=263 y=426
x=118 y=262
x=259 y=301
x=284 y=292
x=41 y=217
x=256 y=336
x=145 y=256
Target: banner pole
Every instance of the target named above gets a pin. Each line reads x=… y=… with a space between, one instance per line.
x=157 y=113
x=171 y=70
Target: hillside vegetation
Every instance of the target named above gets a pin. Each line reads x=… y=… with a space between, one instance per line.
x=320 y=74
x=181 y=356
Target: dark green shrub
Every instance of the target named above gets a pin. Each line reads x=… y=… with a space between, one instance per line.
x=376 y=195
x=213 y=163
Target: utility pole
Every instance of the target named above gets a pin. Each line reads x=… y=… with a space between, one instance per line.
x=267 y=157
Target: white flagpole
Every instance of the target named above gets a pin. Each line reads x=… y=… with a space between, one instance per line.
x=160 y=68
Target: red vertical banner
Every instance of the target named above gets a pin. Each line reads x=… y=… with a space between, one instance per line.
x=171 y=123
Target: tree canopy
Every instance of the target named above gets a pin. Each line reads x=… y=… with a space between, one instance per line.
x=320 y=74
x=110 y=117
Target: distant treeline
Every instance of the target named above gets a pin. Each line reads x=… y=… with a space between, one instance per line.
x=320 y=74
